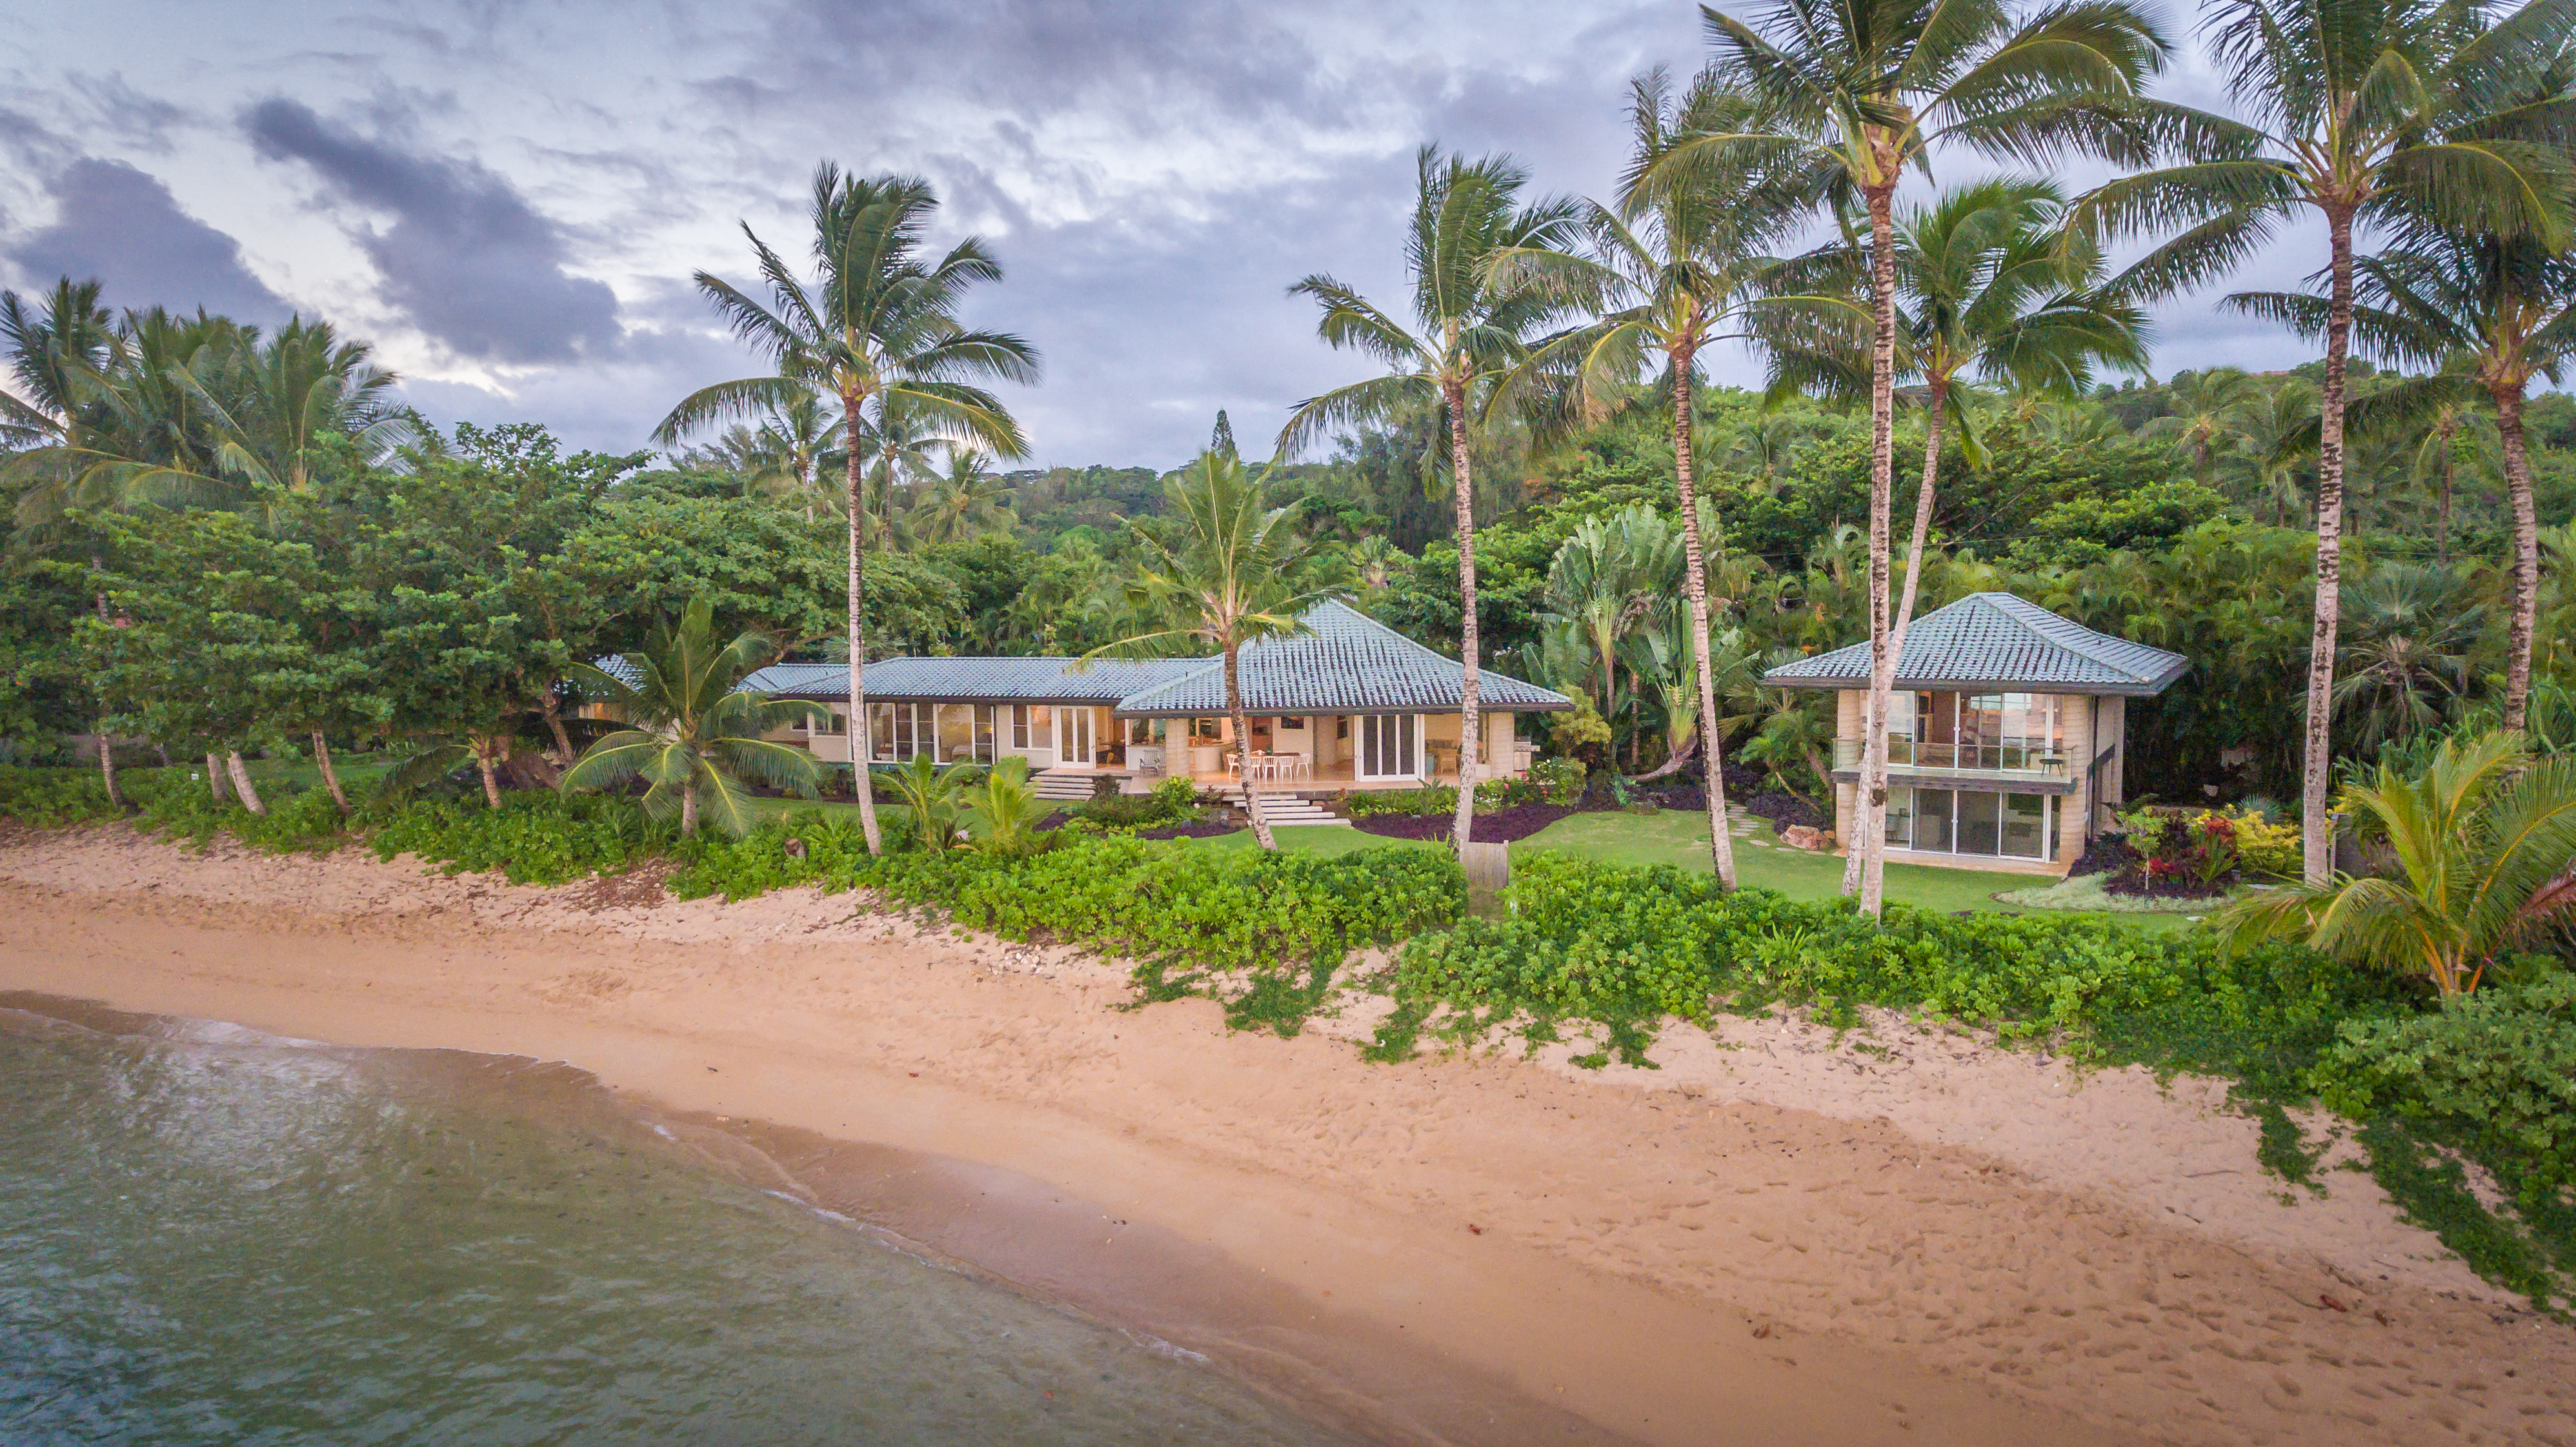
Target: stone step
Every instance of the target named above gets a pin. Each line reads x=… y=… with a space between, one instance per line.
x=1281 y=810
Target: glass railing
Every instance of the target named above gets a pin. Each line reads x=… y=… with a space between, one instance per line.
x=2028 y=760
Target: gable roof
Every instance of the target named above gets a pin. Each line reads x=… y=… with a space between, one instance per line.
x=1996 y=640
x=1348 y=662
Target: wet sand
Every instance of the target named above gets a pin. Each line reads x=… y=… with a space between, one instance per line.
x=1789 y=1240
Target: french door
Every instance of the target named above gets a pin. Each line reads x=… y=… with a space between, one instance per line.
x=1390 y=746
x=1073 y=736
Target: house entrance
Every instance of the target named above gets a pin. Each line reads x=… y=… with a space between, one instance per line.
x=1390 y=746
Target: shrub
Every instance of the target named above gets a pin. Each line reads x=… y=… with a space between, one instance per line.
x=1559 y=780
x=1161 y=902
x=1432 y=799
x=1623 y=947
x=1173 y=801
x=2498 y=1064
x=536 y=837
x=50 y=798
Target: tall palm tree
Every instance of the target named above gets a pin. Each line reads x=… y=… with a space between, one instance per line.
x=1863 y=91
x=877 y=327
x=281 y=398
x=692 y=733
x=1987 y=285
x=1472 y=330
x=2361 y=111
x=1224 y=575
x=900 y=441
x=2276 y=438
x=2489 y=314
x=2482 y=839
x=1666 y=274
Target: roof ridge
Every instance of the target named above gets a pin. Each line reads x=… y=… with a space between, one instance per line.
x=2072 y=647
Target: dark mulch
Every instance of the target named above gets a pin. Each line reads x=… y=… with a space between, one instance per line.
x=1202 y=829
x=1688 y=798
x=1783 y=809
x=2138 y=884
x=2107 y=854
x=1052 y=822
x=1503 y=826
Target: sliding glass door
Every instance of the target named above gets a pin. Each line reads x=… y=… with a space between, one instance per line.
x=1968 y=821
x=1390 y=746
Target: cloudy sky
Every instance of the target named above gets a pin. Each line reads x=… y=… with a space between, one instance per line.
x=509 y=198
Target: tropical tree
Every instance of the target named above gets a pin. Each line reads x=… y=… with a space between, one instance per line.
x=2406 y=662
x=2205 y=408
x=1224 y=574
x=2363 y=112
x=878 y=327
x=1006 y=807
x=1608 y=577
x=1472 y=331
x=966 y=502
x=2276 y=446
x=1861 y=91
x=1987 y=286
x=2488 y=315
x=693 y=732
x=2482 y=839
x=1667 y=274
x=929 y=794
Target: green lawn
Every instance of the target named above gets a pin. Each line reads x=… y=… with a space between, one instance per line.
x=1675 y=837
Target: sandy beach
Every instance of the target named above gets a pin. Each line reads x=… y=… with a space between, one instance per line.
x=1905 y=1235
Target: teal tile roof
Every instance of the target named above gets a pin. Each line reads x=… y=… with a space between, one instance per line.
x=1348 y=662
x=1996 y=640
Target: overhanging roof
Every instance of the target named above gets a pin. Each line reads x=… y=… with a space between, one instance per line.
x=1996 y=640
x=1347 y=662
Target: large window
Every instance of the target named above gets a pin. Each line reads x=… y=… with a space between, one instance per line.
x=1976 y=731
x=1968 y=821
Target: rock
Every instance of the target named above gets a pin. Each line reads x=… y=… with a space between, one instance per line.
x=1806 y=836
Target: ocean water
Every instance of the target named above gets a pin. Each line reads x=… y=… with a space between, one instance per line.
x=212 y=1236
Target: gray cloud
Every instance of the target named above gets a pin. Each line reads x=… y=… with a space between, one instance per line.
x=115 y=223
x=467 y=258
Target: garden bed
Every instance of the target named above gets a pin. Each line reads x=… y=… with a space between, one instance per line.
x=1502 y=826
x=1197 y=829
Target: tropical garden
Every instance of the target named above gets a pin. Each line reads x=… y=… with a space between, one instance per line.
x=247 y=591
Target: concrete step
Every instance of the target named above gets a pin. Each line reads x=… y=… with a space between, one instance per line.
x=1282 y=810
x=1061 y=786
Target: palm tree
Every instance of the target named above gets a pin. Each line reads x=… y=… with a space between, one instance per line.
x=899 y=441
x=1608 y=577
x=1666 y=273
x=1224 y=575
x=2276 y=436
x=929 y=795
x=2489 y=314
x=2407 y=661
x=283 y=397
x=1006 y=806
x=1987 y=285
x=1863 y=90
x=2364 y=112
x=966 y=503
x=878 y=327
x=693 y=733
x=2205 y=406
x=52 y=347
x=2482 y=840
x=1473 y=330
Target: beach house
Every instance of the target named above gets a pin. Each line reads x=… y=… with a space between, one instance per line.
x=2004 y=732
x=1348 y=704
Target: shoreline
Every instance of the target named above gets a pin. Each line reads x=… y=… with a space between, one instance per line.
x=1672 y=1249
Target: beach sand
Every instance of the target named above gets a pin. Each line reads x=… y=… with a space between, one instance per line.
x=1903 y=1235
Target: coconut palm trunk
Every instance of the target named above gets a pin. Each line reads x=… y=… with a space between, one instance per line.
x=215 y=782
x=1243 y=748
x=1721 y=845
x=241 y=782
x=1932 y=417
x=2526 y=556
x=330 y=776
x=1870 y=806
x=862 y=747
x=106 y=742
x=2317 y=766
x=1469 y=715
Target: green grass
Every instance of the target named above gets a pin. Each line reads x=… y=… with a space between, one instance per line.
x=1681 y=838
